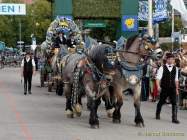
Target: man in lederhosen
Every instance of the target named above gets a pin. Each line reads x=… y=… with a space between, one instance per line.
x=27 y=70
x=168 y=83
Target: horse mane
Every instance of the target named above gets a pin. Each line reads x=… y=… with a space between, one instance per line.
x=130 y=41
x=97 y=51
x=98 y=55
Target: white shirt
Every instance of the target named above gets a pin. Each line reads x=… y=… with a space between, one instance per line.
x=61 y=39
x=160 y=72
x=27 y=59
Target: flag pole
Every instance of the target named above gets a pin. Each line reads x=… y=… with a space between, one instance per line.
x=150 y=18
x=173 y=27
x=20 y=30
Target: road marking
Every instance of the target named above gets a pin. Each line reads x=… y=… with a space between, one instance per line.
x=12 y=104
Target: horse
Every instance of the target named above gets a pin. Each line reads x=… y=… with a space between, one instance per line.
x=125 y=72
x=81 y=77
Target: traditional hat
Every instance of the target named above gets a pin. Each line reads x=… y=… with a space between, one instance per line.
x=27 y=52
x=169 y=55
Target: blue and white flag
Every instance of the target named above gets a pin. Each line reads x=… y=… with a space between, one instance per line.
x=160 y=12
x=143 y=10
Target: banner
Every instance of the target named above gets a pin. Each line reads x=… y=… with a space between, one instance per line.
x=12 y=9
x=130 y=23
x=160 y=12
x=143 y=10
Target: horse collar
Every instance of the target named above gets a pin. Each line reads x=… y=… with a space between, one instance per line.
x=129 y=72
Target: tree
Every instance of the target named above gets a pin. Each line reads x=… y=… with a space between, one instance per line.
x=38 y=20
x=165 y=28
x=96 y=8
x=35 y=22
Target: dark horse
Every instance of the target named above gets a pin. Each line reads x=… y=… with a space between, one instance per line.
x=125 y=73
x=81 y=77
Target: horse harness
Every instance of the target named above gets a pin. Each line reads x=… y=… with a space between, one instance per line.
x=78 y=74
x=135 y=72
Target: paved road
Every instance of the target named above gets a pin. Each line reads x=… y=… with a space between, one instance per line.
x=41 y=116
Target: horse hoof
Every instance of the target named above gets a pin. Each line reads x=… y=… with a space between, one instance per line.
x=140 y=125
x=78 y=110
x=143 y=125
x=110 y=112
x=117 y=121
x=69 y=114
x=139 y=121
x=109 y=115
x=78 y=114
x=95 y=126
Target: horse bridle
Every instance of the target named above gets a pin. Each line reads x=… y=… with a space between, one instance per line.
x=142 y=59
x=91 y=69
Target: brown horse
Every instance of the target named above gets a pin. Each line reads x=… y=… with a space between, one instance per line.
x=126 y=73
x=81 y=77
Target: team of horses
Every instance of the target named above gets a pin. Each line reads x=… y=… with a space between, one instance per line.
x=92 y=73
x=101 y=72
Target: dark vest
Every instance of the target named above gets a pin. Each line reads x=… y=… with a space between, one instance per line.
x=28 y=68
x=168 y=78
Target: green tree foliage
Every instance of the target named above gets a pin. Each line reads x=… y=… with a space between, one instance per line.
x=96 y=8
x=35 y=22
x=165 y=28
x=106 y=10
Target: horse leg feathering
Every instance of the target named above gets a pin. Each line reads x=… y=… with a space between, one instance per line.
x=67 y=93
x=118 y=105
x=138 y=117
x=94 y=121
x=109 y=103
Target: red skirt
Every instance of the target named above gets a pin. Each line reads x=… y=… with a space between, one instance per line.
x=155 y=90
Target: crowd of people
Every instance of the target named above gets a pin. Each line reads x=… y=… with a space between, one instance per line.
x=10 y=59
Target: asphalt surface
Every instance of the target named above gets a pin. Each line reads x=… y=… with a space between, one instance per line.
x=41 y=116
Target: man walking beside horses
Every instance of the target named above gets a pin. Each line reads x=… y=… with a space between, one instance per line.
x=27 y=70
x=168 y=83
